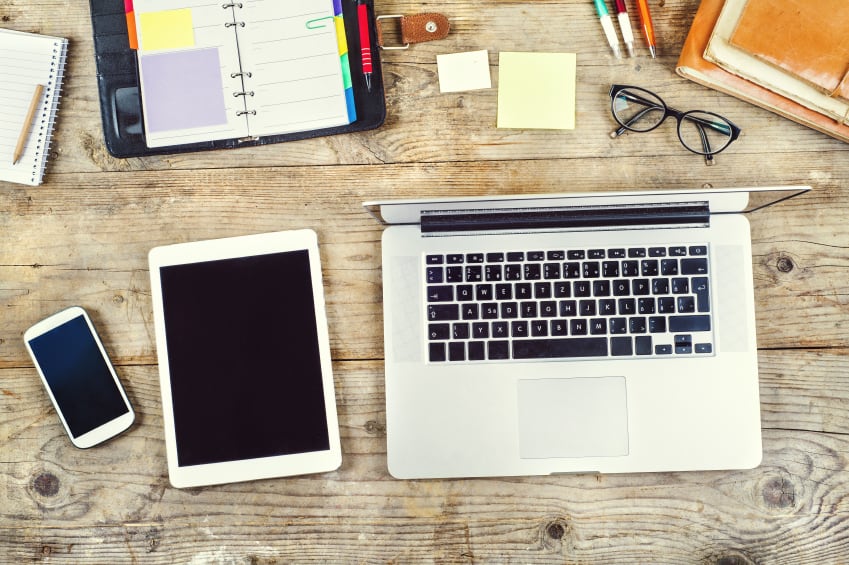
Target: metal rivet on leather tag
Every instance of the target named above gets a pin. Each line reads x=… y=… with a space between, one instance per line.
x=430 y=27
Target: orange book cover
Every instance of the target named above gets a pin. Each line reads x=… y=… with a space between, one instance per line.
x=693 y=66
x=807 y=39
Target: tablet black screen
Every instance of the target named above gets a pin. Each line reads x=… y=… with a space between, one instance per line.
x=244 y=358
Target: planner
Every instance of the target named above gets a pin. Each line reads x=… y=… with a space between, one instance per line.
x=189 y=75
x=33 y=67
x=217 y=70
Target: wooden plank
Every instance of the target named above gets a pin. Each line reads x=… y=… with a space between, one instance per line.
x=67 y=246
x=83 y=237
x=111 y=502
x=426 y=126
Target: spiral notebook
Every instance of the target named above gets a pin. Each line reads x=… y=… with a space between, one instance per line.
x=28 y=60
x=221 y=70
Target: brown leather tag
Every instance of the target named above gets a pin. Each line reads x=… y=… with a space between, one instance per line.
x=423 y=27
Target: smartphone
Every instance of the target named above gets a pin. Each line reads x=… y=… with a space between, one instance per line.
x=79 y=377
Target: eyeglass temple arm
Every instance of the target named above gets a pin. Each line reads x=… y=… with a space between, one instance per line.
x=721 y=128
x=636 y=117
x=705 y=144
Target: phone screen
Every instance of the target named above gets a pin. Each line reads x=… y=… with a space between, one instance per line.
x=78 y=376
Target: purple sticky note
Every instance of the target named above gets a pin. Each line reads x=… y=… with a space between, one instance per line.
x=183 y=89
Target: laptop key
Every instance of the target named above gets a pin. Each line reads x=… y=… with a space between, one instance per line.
x=560 y=348
x=440 y=293
x=500 y=329
x=689 y=323
x=460 y=331
x=435 y=259
x=694 y=266
x=642 y=345
x=457 y=351
x=477 y=351
x=474 y=257
x=498 y=349
x=700 y=289
x=443 y=312
x=620 y=346
x=438 y=331
x=436 y=352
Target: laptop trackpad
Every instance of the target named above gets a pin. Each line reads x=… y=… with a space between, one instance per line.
x=578 y=417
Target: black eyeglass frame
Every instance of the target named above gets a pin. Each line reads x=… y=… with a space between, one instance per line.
x=733 y=134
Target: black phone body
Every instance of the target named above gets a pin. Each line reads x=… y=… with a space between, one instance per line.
x=79 y=378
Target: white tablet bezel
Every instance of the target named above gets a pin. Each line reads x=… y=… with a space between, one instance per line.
x=265 y=467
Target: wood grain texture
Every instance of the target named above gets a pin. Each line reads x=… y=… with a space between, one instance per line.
x=83 y=238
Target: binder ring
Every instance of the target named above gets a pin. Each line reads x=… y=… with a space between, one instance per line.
x=232 y=5
x=243 y=112
x=246 y=74
x=246 y=93
x=231 y=24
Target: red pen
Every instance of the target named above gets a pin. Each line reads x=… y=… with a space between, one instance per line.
x=365 y=41
x=648 y=27
x=625 y=26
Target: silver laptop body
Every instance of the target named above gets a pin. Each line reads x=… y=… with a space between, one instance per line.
x=572 y=382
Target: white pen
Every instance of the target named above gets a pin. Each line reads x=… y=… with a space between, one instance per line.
x=607 y=26
x=625 y=26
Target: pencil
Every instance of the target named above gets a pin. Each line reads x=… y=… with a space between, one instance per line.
x=25 y=129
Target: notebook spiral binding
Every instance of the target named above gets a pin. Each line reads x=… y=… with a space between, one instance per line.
x=240 y=74
x=47 y=115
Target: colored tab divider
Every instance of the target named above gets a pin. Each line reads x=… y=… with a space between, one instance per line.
x=132 y=36
x=346 y=65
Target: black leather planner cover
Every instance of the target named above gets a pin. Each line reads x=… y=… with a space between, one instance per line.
x=120 y=100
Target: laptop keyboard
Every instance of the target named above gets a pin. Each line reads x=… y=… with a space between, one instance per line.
x=647 y=301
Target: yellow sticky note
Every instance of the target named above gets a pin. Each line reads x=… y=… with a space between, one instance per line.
x=536 y=90
x=166 y=29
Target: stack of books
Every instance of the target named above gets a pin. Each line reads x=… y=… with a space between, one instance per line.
x=788 y=56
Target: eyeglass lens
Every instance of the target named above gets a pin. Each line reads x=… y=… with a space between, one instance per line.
x=638 y=110
x=700 y=132
x=704 y=133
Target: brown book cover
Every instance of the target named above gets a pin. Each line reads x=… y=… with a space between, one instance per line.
x=805 y=38
x=693 y=66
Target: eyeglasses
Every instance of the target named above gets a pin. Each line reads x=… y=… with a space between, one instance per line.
x=637 y=109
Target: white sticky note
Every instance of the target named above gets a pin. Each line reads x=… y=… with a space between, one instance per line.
x=463 y=71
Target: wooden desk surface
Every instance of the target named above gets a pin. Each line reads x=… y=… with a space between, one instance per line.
x=83 y=237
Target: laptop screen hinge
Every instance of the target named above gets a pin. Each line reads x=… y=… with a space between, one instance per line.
x=635 y=216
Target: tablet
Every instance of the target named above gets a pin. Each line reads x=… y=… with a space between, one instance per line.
x=244 y=359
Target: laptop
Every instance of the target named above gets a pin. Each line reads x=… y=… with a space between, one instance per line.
x=608 y=332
